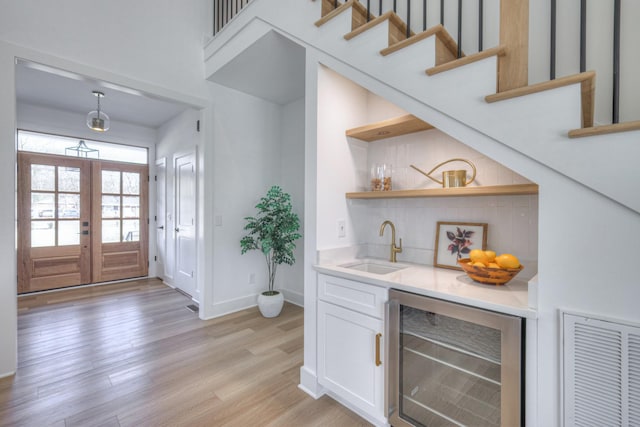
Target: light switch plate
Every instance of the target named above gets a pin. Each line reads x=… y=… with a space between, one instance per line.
x=342 y=228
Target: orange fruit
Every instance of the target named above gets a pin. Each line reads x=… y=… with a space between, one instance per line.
x=507 y=261
x=478 y=255
x=493 y=265
x=491 y=255
x=478 y=264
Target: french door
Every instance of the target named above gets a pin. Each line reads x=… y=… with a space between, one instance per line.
x=80 y=221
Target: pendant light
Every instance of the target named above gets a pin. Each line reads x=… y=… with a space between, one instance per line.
x=98 y=120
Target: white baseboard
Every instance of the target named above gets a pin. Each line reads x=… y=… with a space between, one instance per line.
x=8 y=374
x=293 y=297
x=309 y=383
x=231 y=306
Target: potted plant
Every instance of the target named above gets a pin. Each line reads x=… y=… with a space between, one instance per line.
x=272 y=231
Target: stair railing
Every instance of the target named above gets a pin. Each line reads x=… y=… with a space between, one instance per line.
x=615 y=101
x=512 y=19
x=224 y=11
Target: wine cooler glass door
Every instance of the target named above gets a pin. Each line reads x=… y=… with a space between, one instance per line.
x=453 y=365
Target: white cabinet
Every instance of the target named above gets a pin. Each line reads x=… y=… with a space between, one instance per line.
x=351 y=344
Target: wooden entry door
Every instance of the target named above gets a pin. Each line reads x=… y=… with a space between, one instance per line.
x=80 y=221
x=120 y=214
x=54 y=241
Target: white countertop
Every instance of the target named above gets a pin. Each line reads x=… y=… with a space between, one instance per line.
x=450 y=285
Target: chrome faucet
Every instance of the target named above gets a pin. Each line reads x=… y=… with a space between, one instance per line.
x=394 y=249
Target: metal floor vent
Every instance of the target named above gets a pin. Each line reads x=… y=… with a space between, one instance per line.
x=601 y=363
x=193 y=308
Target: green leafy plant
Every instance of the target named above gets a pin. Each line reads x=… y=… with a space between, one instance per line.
x=273 y=231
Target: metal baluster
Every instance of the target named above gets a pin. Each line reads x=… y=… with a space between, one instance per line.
x=552 y=48
x=380 y=8
x=424 y=15
x=335 y=4
x=442 y=12
x=616 y=61
x=408 y=18
x=480 y=24
x=583 y=36
x=459 y=28
x=215 y=16
x=394 y=6
x=368 y=10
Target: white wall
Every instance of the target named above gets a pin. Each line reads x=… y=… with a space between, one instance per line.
x=290 y=279
x=247 y=138
x=512 y=220
x=153 y=48
x=156 y=42
x=341 y=105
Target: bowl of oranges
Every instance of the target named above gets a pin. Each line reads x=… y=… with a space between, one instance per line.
x=489 y=268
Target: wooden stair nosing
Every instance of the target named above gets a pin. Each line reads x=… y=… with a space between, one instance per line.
x=335 y=12
x=604 y=129
x=437 y=30
x=587 y=82
x=494 y=51
x=541 y=87
x=361 y=29
x=393 y=18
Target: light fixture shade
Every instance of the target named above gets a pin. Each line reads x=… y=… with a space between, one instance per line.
x=98 y=120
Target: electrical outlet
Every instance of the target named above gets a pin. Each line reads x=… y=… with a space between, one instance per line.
x=252 y=278
x=342 y=228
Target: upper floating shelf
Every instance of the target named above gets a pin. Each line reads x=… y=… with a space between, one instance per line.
x=492 y=190
x=389 y=128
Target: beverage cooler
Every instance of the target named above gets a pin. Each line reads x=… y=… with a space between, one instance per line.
x=453 y=365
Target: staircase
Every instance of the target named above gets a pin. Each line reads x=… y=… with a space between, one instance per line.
x=485 y=91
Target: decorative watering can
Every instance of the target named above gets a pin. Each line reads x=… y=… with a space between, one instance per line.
x=452 y=178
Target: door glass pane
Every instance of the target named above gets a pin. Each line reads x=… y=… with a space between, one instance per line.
x=110 y=231
x=68 y=233
x=42 y=205
x=43 y=178
x=131 y=207
x=69 y=179
x=68 y=206
x=130 y=183
x=130 y=230
x=110 y=206
x=43 y=234
x=450 y=370
x=111 y=182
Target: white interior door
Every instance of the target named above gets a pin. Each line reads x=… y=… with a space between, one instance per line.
x=160 y=217
x=185 y=222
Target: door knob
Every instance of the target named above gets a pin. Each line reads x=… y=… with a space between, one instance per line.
x=177 y=230
x=161 y=227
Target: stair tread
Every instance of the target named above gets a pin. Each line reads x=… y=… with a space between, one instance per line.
x=437 y=30
x=335 y=12
x=391 y=16
x=541 y=87
x=605 y=129
x=474 y=57
x=587 y=92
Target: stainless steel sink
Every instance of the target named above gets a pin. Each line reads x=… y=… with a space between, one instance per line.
x=374 y=267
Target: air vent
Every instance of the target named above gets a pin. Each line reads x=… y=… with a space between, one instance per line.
x=601 y=372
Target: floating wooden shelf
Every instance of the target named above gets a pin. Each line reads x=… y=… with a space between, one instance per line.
x=493 y=190
x=389 y=128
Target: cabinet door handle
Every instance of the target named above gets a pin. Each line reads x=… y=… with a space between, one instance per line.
x=378 y=361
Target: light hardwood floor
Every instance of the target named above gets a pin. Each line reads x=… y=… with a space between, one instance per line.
x=132 y=354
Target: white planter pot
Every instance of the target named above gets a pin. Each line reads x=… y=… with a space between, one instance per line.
x=270 y=305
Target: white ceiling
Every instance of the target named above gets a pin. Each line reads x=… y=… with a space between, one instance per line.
x=272 y=68
x=49 y=87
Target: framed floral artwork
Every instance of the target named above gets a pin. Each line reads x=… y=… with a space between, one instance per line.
x=454 y=241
